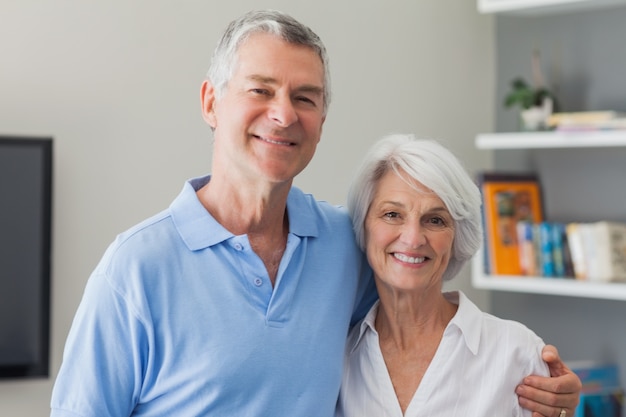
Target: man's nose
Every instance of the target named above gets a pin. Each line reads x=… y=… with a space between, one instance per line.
x=282 y=111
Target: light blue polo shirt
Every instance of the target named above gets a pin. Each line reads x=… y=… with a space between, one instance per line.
x=179 y=318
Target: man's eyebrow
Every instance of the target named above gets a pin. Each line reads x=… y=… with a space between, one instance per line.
x=261 y=79
x=308 y=88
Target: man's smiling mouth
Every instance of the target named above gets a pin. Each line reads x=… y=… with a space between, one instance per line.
x=275 y=142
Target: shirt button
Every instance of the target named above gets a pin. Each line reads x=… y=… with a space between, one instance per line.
x=258 y=282
x=238 y=246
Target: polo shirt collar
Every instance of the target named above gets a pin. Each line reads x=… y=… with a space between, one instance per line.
x=199 y=229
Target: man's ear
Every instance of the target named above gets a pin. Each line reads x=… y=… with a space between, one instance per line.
x=321 y=129
x=207 y=99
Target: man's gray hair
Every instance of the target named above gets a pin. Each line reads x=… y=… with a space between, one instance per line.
x=224 y=59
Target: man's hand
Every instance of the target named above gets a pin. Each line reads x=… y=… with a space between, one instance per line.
x=546 y=397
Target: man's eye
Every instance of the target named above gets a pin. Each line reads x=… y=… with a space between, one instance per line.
x=391 y=215
x=305 y=100
x=260 y=91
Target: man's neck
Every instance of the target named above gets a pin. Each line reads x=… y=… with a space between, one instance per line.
x=256 y=211
x=245 y=208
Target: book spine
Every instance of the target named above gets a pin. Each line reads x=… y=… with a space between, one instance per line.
x=567 y=254
x=610 y=251
x=547 y=254
x=617 y=237
x=577 y=253
x=537 y=248
x=526 y=248
x=557 y=234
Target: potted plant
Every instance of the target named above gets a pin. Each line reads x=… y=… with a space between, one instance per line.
x=535 y=104
x=535 y=101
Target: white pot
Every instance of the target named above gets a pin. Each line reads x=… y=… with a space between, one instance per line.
x=535 y=117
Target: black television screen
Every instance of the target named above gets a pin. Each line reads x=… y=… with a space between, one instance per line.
x=25 y=252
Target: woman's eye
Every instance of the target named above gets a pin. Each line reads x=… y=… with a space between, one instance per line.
x=437 y=222
x=391 y=215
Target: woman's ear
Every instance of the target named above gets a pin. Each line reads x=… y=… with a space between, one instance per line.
x=207 y=99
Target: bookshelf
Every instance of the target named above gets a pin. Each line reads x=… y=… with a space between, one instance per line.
x=553 y=286
x=536 y=7
x=546 y=140
x=583 y=175
x=538 y=285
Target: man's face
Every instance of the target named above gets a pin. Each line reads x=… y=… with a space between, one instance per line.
x=269 y=120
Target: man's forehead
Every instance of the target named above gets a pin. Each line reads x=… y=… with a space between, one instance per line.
x=264 y=59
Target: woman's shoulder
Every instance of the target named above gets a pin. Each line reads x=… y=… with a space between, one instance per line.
x=487 y=334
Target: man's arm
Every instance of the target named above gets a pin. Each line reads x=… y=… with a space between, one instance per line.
x=546 y=397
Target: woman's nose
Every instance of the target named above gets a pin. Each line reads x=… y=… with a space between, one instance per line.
x=414 y=235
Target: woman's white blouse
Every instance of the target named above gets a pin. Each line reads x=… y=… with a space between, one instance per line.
x=478 y=364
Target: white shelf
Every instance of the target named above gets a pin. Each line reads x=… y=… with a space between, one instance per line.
x=536 y=7
x=539 y=285
x=552 y=286
x=538 y=140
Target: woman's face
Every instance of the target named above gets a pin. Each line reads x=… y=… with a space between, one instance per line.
x=408 y=234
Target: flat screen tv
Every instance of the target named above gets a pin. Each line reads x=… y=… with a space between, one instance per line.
x=25 y=252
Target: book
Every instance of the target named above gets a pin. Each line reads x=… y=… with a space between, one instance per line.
x=559 y=243
x=594 y=375
x=576 y=249
x=607 y=260
x=526 y=248
x=601 y=394
x=546 y=245
x=537 y=248
x=587 y=120
x=508 y=198
x=567 y=254
x=598 y=250
x=615 y=124
x=543 y=249
x=605 y=403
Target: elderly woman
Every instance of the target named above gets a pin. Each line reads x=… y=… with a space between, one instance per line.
x=419 y=351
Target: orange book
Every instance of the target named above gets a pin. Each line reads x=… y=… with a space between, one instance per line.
x=508 y=198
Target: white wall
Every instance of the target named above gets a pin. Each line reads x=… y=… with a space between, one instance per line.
x=117 y=84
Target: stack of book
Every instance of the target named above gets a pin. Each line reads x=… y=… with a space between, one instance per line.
x=598 y=250
x=601 y=394
x=544 y=250
x=518 y=241
x=587 y=121
x=585 y=251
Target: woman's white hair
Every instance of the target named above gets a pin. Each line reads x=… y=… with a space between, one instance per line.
x=435 y=167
